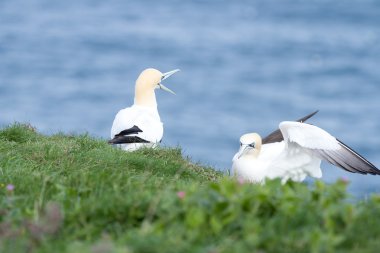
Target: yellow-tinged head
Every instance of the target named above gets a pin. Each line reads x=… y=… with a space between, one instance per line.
x=250 y=145
x=149 y=80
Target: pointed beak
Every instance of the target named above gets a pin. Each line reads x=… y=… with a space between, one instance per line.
x=165 y=76
x=242 y=151
x=162 y=87
x=168 y=74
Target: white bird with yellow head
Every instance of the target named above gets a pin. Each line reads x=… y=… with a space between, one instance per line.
x=294 y=152
x=140 y=125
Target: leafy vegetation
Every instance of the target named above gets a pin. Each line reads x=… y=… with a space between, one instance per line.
x=66 y=193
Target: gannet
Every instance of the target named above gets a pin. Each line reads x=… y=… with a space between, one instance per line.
x=140 y=125
x=295 y=152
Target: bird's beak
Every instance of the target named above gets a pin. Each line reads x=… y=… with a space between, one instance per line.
x=245 y=148
x=162 y=87
x=242 y=151
x=165 y=76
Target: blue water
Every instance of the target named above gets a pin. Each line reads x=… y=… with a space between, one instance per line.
x=246 y=65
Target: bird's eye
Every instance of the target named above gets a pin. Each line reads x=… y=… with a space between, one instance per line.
x=241 y=144
x=252 y=145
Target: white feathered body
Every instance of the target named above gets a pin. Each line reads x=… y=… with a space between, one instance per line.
x=144 y=117
x=292 y=158
x=274 y=161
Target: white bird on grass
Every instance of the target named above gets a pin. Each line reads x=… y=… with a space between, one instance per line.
x=294 y=152
x=140 y=125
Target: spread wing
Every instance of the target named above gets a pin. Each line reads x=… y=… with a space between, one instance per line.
x=326 y=147
x=348 y=159
x=276 y=136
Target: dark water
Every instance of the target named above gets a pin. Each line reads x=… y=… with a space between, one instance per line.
x=246 y=65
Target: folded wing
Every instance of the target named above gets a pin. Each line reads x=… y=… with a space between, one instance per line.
x=128 y=136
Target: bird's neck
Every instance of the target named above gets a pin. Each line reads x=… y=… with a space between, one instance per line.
x=145 y=97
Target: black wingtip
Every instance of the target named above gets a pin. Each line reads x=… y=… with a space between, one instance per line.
x=348 y=159
x=127 y=140
x=364 y=165
x=307 y=116
x=133 y=130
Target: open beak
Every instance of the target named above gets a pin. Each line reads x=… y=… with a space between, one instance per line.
x=165 y=76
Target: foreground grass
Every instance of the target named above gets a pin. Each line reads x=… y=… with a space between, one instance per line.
x=78 y=194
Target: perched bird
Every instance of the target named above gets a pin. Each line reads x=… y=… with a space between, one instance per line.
x=294 y=152
x=140 y=125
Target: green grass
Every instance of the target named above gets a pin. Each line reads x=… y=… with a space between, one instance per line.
x=78 y=194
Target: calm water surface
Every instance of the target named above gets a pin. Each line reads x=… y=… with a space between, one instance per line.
x=246 y=65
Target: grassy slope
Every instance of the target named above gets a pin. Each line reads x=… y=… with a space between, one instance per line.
x=78 y=194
